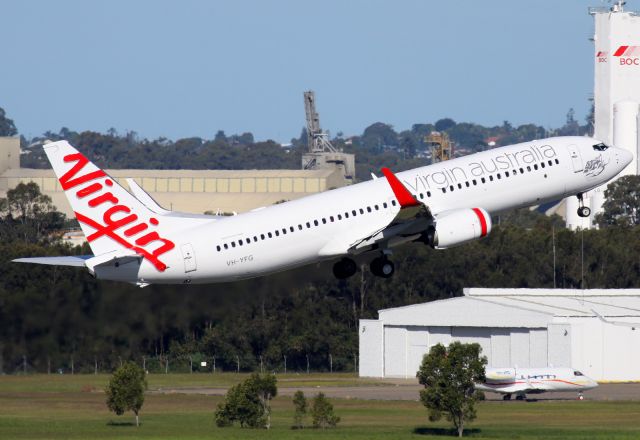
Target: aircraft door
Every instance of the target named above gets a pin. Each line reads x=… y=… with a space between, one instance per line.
x=576 y=159
x=189 y=258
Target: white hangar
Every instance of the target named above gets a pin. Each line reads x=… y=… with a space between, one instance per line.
x=595 y=331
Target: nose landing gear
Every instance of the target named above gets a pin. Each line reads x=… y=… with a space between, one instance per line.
x=583 y=211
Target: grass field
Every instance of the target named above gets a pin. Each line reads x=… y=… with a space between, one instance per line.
x=64 y=407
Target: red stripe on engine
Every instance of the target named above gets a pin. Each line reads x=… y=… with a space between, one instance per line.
x=483 y=222
x=621 y=50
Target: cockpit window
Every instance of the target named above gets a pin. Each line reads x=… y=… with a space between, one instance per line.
x=600 y=147
x=577 y=373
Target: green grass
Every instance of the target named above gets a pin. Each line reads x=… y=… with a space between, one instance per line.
x=84 y=382
x=72 y=414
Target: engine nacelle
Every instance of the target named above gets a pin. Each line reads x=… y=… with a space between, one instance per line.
x=500 y=375
x=458 y=226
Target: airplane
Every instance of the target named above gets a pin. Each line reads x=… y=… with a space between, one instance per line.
x=523 y=381
x=441 y=205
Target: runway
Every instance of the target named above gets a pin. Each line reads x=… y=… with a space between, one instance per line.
x=409 y=390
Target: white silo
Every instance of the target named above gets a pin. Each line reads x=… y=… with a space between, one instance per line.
x=616 y=93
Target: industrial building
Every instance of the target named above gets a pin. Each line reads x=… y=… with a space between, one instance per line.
x=595 y=331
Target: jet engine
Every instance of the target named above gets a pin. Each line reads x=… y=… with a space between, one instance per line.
x=500 y=375
x=456 y=227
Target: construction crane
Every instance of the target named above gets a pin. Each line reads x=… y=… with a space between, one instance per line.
x=317 y=139
x=441 y=146
x=321 y=154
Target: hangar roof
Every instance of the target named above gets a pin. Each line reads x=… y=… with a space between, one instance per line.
x=528 y=308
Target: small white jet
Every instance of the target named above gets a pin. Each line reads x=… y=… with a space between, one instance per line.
x=523 y=381
x=442 y=205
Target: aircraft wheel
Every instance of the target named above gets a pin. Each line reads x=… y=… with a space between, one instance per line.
x=382 y=267
x=521 y=397
x=506 y=397
x=584 y=211
x=344 y=268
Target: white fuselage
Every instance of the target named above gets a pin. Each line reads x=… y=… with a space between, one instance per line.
x=322 y=226
x=535 y=380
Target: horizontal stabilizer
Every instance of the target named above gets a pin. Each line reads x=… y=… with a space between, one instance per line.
x=76 y=261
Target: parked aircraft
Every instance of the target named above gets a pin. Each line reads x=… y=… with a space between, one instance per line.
x=442 y=205
x=523 y=381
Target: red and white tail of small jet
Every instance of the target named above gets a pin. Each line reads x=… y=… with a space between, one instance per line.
x=523 y=381
x=442 y=205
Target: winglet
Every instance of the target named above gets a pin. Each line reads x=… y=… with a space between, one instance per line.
x=405 y=198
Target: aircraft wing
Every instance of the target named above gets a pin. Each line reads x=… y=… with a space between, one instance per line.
x=407 y=224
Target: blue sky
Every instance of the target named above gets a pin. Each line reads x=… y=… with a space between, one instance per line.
x=190 y=68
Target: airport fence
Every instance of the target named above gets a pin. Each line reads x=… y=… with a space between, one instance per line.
x=191 y=363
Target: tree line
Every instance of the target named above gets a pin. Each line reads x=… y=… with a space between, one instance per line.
x=51 y=315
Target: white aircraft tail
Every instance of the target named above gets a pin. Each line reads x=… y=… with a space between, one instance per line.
x=113 y=221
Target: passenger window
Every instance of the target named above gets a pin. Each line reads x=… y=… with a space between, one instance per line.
x=291 y=228
x=346 y=215
x=315 y=222
x=324 y=221
x=428 y=193
x=339 y=216
x=550 y=163
x=376 y=207
x=577 y=373
x=240 y=242
x=506 y=173
x=557 y=162
x=528 y=168
x=451 y=188
x=482 y=180
x=459 y=185
x=491 y=178
x=255 y=238
x=277 y=233
x=269 y=234
x=225 y=246
x=498 y=176
x=361 y=211
x=535 y=167
x=308 y=225
x=393 y=202
x=233 y=244
x=300 y=227
x=384 y=205
x=467 y=183
x=444 y=190
x=542 y=164
x=284 y=231
x=248 y=239
x=218 y=248
x=368 y=208
x=261 y=236
x=353 y=212
x=421 y=195
x=475 y=182
x=521 y=170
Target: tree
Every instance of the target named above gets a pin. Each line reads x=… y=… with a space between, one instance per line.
x=322 y=413
x=125 y=390
x=622 y=205
x=7 y=127
x=448 y=376
x=248 y=403
x=445 y=124
x=300 y=404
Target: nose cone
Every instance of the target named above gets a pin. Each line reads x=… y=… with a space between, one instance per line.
x=624 y=157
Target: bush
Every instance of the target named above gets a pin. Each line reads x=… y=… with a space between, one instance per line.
x=322 y=413
x=300 y=404
x=248 y=403
x=125 y=390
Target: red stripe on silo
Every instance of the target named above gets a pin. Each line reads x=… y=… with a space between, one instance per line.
x=621 y=50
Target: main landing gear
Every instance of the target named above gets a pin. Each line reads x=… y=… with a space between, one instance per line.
x=583 y=211
x=344 y=268
x=382 y=267
x=506 y=397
